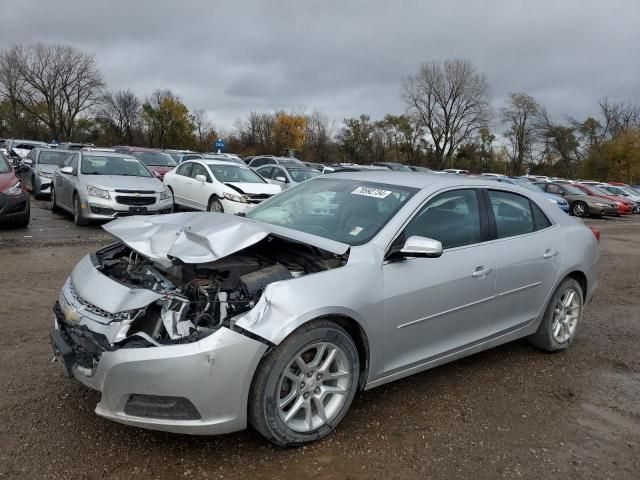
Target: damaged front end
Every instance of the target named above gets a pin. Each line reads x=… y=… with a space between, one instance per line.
x=118 y=298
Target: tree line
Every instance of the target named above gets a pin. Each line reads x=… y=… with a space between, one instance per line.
x=57 y=92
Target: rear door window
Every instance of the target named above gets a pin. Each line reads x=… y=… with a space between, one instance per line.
x=515 y=214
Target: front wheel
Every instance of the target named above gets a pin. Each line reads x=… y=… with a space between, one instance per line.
x=560 y=322
x=580 y=209
x=304 y=386
x=78 y=217
x=214 y=205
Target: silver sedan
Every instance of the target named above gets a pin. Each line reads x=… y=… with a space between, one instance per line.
x=203 y=323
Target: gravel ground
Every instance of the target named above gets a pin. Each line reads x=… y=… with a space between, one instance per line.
x=509 y=412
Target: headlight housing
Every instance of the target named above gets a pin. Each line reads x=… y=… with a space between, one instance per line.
x=45 y=175
x=165 y=194
x=97 y=192
x=15 y=190
x=235 y=198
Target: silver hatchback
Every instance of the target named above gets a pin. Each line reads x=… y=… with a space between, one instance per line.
x=106 y=185
x=203 y=323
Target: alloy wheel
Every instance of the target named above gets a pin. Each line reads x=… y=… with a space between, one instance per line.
x=313 y=387
x=566 y=314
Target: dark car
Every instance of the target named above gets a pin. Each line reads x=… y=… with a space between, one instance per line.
x=158 y=161
x=580 y=204
x=15 y=208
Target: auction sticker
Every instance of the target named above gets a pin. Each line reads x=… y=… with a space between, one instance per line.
x=371 y=192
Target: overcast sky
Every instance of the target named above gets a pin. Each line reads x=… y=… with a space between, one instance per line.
x=342 y=57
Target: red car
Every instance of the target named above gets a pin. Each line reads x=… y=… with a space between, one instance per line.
x=625 y=207
x=15 y=208
x=157 y=161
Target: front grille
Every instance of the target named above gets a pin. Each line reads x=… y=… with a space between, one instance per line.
x=136 y=201
x=88 y=306
x=87 y=346
x=258 y=197
x=142 y=192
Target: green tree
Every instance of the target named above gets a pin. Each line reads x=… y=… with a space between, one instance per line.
x=167 y=120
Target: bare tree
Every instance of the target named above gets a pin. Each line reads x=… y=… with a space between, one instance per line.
x=120 y=111
x=54 y=83
x=204 y=129
x=559 y=141
x=319 y=133
x=451 y=99
x=519 y=115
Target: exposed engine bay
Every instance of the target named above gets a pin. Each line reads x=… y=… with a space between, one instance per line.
x=200 y=298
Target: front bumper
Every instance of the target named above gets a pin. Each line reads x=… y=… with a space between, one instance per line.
x=212 y=376
x=108 y=209
x=595 y=210
x=13 y=206
x=235 y=207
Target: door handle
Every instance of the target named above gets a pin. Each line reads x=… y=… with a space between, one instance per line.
x=548 y=253
x=481 y=272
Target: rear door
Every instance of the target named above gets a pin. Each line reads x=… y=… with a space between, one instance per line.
x=530 y=250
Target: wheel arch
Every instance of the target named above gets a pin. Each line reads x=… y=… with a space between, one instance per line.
x=581 y=278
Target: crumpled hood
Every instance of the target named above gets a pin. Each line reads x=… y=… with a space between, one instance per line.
x=200 y=237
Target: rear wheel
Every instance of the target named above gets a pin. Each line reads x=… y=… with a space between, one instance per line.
x=78 y=216
x=304 y=386
x=214 y=205
x=580 y=209
x=52 y=199
x=560 y=322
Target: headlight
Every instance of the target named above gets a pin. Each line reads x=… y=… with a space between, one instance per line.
x=15 y=190
x=97 y=192
x=45 y=175
x=165 y=194
x=235 y=198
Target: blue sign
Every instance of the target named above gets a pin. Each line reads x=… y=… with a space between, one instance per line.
x=219 y=144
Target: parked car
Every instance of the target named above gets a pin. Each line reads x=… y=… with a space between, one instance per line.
x=74 y=146
x=202 y=323
x=15 y=207
x=224 y=157
x=19 y=149
x=623 y=191
x=217 y=186
x=395 y=166
x=258 y=161
x=39 y=166
x=315 y=165
x=456 y=171
x=180 y=156
x=157 y=161
x=104 y=186
x=416 y=168
x=580 y=204
x=555 y=199
x=624 y=206
x=286 y=176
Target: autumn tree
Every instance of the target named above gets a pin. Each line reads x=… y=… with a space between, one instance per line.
x=289 y=132
x=167 y=121
x=56 y=84
x=355 y=139
x=451 y=99
x=519 y=116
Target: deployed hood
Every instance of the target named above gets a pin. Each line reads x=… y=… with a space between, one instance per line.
x=254 y=188
x=121 y=182
x=200 y=237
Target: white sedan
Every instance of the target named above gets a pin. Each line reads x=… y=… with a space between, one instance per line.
x=217 y=186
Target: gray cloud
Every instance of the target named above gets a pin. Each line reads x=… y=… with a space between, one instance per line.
x=342 y=57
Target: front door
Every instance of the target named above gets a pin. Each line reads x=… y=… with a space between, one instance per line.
x=435 y=306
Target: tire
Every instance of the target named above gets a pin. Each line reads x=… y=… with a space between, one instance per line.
x=54 y=207
x=214 y=205
x=174 y=205
x=23 y=220
x=312 y=345
x=580 y=209
x=557 y=318
x=36 y=195
x=78 y=217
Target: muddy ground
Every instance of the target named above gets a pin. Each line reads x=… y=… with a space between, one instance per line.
x=510 y=412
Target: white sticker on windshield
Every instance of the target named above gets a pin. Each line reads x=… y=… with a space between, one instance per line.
x=356 y=231
x=371 y=192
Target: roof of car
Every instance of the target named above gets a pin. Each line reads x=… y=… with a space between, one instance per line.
x=411 y=179
x=91 y=153
x=210 y=161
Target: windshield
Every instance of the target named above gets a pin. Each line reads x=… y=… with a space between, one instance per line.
x=348 y=211
x=596 y=190
x=529 y=186
x=122 y=166
x=157 y=159
x=51 y=157
x=234 y=173
x=572 y=190
x=300 y=175
x=4 y=165
x=292 y=162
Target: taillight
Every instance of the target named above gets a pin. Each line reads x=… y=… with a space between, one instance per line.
x=596 y=233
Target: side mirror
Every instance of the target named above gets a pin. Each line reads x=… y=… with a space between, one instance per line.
x=280 y=179
x=416 y=246
x=201 y=178
x=67 y=170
